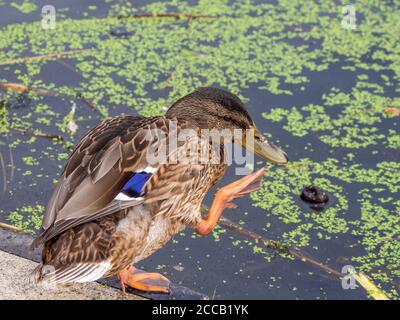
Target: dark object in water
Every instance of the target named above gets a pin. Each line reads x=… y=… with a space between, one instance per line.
x=120 y=32
x=21 y=100
x=18 y=101
x=314 y=195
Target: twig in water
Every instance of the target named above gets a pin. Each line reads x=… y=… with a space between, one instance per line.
x=174 y=15
x=3 y=167
x=10 y=227
x=214 y=293
x=38 y=133
x=80 y=95
x=394 y=111
x=12 y=163
x=275 y=245
x=44 y=56
x=16 y=87
x=68 y=66
x=20 y=88
x=367 y=284
x=89 y=104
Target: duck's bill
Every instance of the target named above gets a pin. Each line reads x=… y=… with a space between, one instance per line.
x=265 y=149
x=270 y=152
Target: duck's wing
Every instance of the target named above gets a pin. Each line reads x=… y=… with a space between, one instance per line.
x=98 y=168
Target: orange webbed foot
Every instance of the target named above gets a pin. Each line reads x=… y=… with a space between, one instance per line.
x=144 y=281
x=241 y=187
x=226 y=195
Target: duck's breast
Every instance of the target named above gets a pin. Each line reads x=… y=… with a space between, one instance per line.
x=142 y=234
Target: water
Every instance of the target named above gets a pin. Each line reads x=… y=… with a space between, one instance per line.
x=217 y=266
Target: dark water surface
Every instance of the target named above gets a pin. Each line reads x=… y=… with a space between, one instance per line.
x=214 y=264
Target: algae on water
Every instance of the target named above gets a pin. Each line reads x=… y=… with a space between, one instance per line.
x=321 y=88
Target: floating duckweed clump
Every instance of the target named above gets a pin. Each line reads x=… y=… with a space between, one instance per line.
x=28 y=218
x=344 y=120
x=24 y=6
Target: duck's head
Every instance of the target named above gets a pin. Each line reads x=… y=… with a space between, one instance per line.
x=214 y=108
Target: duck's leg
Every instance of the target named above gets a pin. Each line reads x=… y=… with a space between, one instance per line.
x=141 y=280
x=224 y=197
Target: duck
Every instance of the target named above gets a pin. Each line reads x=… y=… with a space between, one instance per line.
x=118 y=201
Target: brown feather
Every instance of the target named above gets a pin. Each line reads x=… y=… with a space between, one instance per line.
x=94 y=173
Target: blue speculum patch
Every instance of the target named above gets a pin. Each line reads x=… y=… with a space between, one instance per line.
x=134 y=187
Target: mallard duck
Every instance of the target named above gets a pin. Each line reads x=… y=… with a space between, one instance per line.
x=113 y=207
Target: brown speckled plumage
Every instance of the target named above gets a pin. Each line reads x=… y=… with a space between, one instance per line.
x=85 y=227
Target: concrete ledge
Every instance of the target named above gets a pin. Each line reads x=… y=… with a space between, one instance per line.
x=13 y=285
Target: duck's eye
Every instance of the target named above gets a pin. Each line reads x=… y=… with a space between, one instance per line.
x=227 y=118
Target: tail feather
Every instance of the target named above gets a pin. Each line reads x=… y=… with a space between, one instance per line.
x=52 y=276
